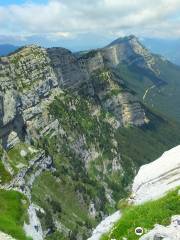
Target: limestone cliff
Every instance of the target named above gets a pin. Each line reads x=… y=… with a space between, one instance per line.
x=69 y=131
x=32 y=80
x=155 y=179
x=32 y=77
x=130 y=51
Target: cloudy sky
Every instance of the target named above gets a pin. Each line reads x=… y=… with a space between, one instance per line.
x=81 y=24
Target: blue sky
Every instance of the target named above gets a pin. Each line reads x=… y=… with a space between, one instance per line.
x=83 y=24
x=9 y=2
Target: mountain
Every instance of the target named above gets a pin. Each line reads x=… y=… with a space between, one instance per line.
x=157 y=85
x=154 y=202
x=74 y=133
x=151 y=76
x=6 y=49
x=168 y=48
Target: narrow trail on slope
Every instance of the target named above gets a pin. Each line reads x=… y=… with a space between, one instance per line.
x=147 y=91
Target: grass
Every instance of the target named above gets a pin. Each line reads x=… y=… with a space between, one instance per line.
x=164 y=99
x=16 y=159
x=145 y=216
x=136 y=146
x=72 y=186
x=4 y=175
x=61 y=202
x=13 y=213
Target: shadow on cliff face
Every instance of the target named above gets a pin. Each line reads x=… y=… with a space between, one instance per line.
x=17 y=125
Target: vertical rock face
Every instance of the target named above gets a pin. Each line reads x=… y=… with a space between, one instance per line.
x=66 y=67
x=92 y=61
x=32 y=77
x=116 y=99
x=60 y=117
x=130 y=51
x=49 y=95
x=26 y=79
x=33 y=229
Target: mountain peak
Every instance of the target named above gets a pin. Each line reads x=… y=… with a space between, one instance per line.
x=123 y=40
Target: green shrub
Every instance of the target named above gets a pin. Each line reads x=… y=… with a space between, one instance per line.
x=13 y=213
x=145 y=216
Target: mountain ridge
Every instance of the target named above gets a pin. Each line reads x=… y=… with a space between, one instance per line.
x=69 y=128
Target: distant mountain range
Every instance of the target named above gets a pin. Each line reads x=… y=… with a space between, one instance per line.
x=5 y=49
x=169 y=48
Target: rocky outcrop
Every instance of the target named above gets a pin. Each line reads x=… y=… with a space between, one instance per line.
x=116 y=99
x=32 y=77
x=67 y=68
x=4 y=236
x=23 y=181
x=152 y=182
x=171 y=232
x=26 y=80
x=130 y=51
x=105 y=226
x=155 y=179
x=33 y=228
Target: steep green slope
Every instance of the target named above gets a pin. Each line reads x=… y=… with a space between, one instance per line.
x=68 y=192
x=13 y=213
x=146 y=216
x=163 y=98
x=74 y=134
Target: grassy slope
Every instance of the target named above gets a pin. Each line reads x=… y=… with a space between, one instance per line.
x=145 y=216
x=13 y=210
x=4 y=175
x=58 y=192
x=164 y=99
x=16 y=160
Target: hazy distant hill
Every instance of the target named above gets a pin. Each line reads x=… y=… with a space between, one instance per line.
x=5 y=49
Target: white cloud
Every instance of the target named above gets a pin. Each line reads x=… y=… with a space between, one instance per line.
x=68 y=18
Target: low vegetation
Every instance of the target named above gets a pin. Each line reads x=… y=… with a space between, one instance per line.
x=145 y=216
x=137 y=145
x=13 y=214
x=4 y=175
